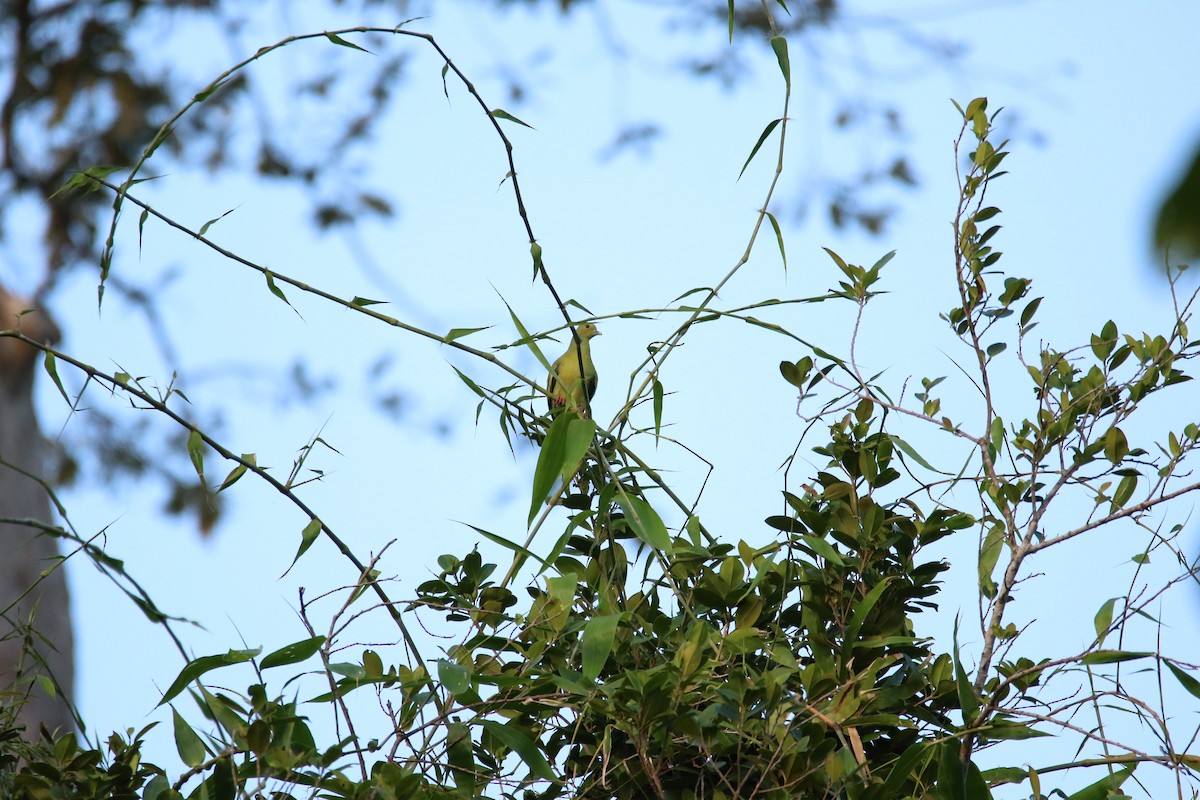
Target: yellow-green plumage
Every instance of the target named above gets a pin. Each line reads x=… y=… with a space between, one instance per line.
x=564 y=384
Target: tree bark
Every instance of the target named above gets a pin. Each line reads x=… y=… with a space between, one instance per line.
x=35 y=618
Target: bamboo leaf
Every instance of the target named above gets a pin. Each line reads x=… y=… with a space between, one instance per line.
x=293 y=653
x=333 y=37
x=519 y=742
x=646 y=523
x=598 y=636
x=754 y=150
x=197 y=667
x=500 y=113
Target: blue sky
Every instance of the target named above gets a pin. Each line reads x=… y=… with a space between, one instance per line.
x=1098 y=126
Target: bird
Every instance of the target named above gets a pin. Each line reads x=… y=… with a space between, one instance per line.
x=564 y=385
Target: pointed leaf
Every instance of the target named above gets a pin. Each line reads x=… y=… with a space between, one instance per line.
x=1187 y=681
x=307 y=537
x=293 y=653
x=779 y=45
x=519 y=742
x=1113 y=656
x=195 y=449
x=658 y=407
x=458 y=333
x=598 y=636
x=275 y=290
x=757 y=145
x=204 y=228
x=454 y=676
x=187 y=742
x=1105 y=787
x=51 y=366
x=500 y=113
x=333 y=37
x=778 y=238
x=646 y=523
x=580 y=433
x=551 y=461
x=194 y=669
x=1104 y=618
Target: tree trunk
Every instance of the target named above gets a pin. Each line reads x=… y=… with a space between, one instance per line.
x=35 y=621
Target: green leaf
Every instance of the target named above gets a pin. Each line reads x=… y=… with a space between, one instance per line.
x=967 y=700
x=757 y=145
x=519 y=742
x=195 y=449
x=333 y=37
x=51 y=366
x=526 y=339
x=996 y=436
x=1103 y=788
x=1124 y=492
x=207 y=92
x=551 y=461
x=233 y=477
x=363 y=302
x=1104 y=618
x=84 y=180
x=237 y=472
x=524 y=552
x=535 y=250
x=598 y=636
x=861 y=610
x=729 y=16
x=293 y=653
x=908 y=764
x=1013 y=731
x=908 y=450
x=645 y=522
x=454 y=676
x=474 y=387
x=204 y=228
x=837 y=260
x=458 y=333
x=658 y=406
x=307 y=537
x=1113 y=656
x=950 y=781
x=1029 y=310
x=187 y=742
x=194 y=669
x=778 y=238
x=580 y=433
x=1187 y=681
x=779 y=45
x=989 y=554
x=275 y=290
x=822 y=548
x=145 y=215
x=1116 y=446
x=500 y=113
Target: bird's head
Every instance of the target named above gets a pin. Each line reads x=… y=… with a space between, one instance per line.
x=587 y=330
